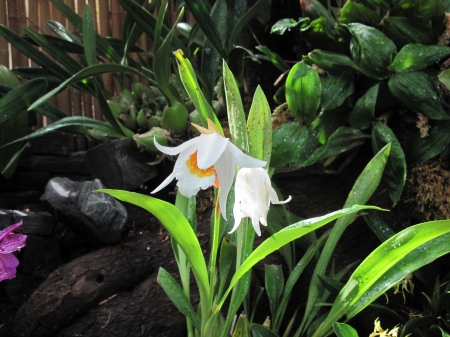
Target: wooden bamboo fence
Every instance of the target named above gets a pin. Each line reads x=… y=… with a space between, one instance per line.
x=108 y=15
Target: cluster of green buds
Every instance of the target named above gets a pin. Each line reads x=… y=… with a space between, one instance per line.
x=149 y=114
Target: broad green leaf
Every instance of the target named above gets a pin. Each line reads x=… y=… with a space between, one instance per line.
x=20 y=98
x=235 y=109
x=402 y=31
x=394 y=259
x=283 y=25
x=273 y=57
x=415 y=323
x=159 y=24
x=420 y=11
x=90 y=46
x=353 y=12
x=336 y=88
x=190 y=83
x=274 y=281
x=71 y=121
x=303 y=90
x=95 y=70
x=344 y=330
x=287 y=140
x=180 y=229
x=285 y=236
x=344 y=139
x=320 y=34
x=420 y=149
x=419 y=93
x=371 y=50
x=395 y=172
x=7 y=78
x=332 y=62
x=65 y=34
x=363 y=114
x=315 y=10
x=206 y=23
x=413 y=57
x=259 y=127
x=177 y=296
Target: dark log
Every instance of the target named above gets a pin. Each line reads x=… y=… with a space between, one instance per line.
x=85 y=282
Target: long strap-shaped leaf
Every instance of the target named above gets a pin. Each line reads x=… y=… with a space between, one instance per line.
x=18 y=99
x=284 y=237
x=397 y=257
x=180 y=229
x=204 y=20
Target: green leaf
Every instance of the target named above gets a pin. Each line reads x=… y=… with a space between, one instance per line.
x=177 y=296
x=285 y=236
x=371 y=50
x=353 y=12
x=303 y=90
x=363 y=114
x=332 y=62
x=20 y=98
x=336 y=88
x=236 y=115
x=226 y=263
x=402 y=31
x=344 y=330
x=257 y=8
x=71 y=121
x=102 y=44
x=420 y=11
x=383 y=4
x=287 y=140
x=397 y=257
x=274 y=281
x=7 y=78
x=190 y=83
x=283 y=25
x=419 y=93
x=204 y=20
x=90 y=46
x=444 y=77
x=273 y=57
x=395 y=172
x=420 y=149
x=259 y=127
x=180 y=229
x=378 y=226
x=413 y=57
x=95 y=70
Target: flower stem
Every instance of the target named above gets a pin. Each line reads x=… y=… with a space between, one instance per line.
x=214 y=249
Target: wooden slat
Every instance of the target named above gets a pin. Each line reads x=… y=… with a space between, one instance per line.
x=4 y=46
x=33 y=22
x=15 y=24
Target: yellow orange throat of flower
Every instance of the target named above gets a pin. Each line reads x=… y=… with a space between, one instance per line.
x=192 y=165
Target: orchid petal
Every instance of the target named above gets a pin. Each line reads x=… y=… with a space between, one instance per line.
x=244 y=160
x=210 y=148
x=274 y=197
x=12 y=242
x=225 y=168
x=8 y=264
x=9 y=229
x=166 y=182
x=171 y=151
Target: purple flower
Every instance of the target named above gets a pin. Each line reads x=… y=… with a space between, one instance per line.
x=9 y=243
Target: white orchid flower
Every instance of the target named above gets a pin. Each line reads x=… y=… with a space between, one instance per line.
x=253 y=195
x=207 y=160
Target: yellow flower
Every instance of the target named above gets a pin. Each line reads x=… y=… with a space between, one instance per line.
x=207 y=160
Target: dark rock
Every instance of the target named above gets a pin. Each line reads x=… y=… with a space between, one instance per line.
x=53 y=143
x=20 y=288
x=97 y=217
x=33 y=223
x=40 y=256
x=74 y=163
x=120 y=164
